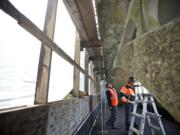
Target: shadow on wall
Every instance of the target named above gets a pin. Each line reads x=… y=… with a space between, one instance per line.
x=168 y=10
x=162 y=111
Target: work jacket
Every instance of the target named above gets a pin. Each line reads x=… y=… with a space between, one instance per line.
x=127 y=93
x=112 y=97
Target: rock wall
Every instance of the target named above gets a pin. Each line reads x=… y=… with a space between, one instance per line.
x=153 y=58
x=121 y=21
x=111 y=15
x=64 y=117
x=133 y=33
x=142 y=17
x=28 y=121
x=57 y=118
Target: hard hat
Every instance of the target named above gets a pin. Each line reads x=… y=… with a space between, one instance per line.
x=131 y=79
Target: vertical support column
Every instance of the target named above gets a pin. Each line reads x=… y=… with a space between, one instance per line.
x=87 y=70
x=97 y=87
x=76 y=71
x=94 y=84
x=91 y=82
x=42 y=85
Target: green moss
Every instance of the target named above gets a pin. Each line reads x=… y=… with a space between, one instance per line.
x=135 y=9
x=69 y=96
x=135 y=13
x=152 y=23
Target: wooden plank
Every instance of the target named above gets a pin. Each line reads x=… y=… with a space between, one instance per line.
x=76 y=77
x=91 y=84
x=82 y=14
x=87 y=70
x=96 y=85
x=86 y=10
x=89 y=44
x=42 y=85
x=34 y=30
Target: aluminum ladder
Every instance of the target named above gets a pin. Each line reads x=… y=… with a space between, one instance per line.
x=147 y=99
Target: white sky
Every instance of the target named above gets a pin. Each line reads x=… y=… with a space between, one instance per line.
x=19 y=53
x=61 y=71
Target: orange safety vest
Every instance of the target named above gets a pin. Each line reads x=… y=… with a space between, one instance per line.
x=114 y=98
x=127 y=91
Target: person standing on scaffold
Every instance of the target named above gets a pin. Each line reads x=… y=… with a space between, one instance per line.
x=112 y=99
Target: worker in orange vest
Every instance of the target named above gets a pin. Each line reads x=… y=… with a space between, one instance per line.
x=113 y=102
x=127 y=96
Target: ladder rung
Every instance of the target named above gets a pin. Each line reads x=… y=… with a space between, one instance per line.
x=149 y=101
x=154 y=127
x=149 y=95
x=135 y=130
x=138 y=115
x=142 y=101
x=139 y=101
x=153 y=115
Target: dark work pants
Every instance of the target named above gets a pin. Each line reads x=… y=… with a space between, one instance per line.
x=112 y=118
x=128 y=110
